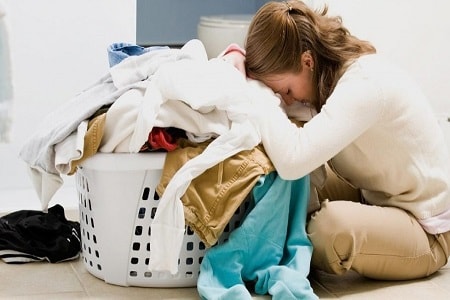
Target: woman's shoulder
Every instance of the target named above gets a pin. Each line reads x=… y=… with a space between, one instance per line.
x=376 y=64
x=383 y=81
x=378 y=69
x=372 y=62
x=365 y=68
x=372 y=78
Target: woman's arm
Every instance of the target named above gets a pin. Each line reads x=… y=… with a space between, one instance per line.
x=353 y=108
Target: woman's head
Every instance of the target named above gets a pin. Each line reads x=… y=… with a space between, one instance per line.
x=290 y=38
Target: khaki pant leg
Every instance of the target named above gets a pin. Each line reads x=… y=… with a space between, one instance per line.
x=377 y=242
x=337 y=189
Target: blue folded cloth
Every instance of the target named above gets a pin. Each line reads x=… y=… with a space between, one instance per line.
x=119 y=51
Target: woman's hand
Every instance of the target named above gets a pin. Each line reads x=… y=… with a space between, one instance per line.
x=237 y=59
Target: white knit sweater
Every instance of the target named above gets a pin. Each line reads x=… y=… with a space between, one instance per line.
x=380 y=134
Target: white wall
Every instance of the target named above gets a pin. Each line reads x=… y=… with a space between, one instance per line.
x=58 y=49
x=414 y=33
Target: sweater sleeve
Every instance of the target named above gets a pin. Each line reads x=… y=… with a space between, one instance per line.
x=354 y=106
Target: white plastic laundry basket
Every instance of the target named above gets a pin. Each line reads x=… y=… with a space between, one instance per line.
x=117 y=202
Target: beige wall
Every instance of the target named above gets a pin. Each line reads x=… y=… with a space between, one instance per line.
x=414 y=33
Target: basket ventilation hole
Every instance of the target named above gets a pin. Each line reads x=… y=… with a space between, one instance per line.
x=145 y=193
x=147 y=260
x=138 y=230
x=94 y=238
x=97 y=254
x=153 y=213
x=189 y=246
x=136 y=246
x=155 y=196
x=201 y=246
x=188 y=275
x=134 y=260
x=99 y=267
x=148 y=274
x=141 y=213
x=189 y=261
x=90 y=206
x=133 y=273
x=92 y=222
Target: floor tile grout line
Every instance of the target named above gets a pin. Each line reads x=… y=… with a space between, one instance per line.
x=77 y=275
x=324 y=288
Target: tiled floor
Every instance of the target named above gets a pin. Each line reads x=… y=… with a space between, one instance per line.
x=71 y=280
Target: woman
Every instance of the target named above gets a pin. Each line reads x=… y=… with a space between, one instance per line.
x=385 y=209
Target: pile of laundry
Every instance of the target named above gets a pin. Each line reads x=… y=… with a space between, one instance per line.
x=200 y=112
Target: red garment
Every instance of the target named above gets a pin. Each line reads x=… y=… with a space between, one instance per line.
x=160 y=138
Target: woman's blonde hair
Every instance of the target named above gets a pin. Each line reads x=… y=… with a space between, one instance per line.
x=281 y=31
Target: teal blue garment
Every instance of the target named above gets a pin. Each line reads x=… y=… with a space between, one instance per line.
x=270 y=249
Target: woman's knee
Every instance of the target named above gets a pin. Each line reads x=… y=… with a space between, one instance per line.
x=332 y=233
x=348 y=235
